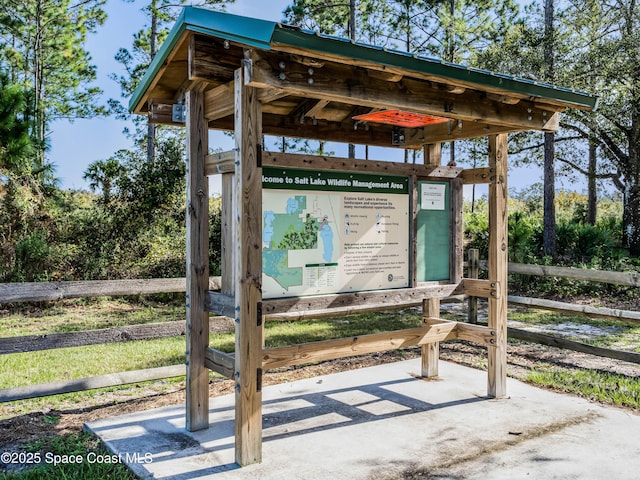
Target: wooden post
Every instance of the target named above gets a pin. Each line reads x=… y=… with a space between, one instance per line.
x=413 y=230
x=433 y=154
x=498 y=251
x=226 y=236
x=472 y=311
x=431 y=306
x=430 y=351
x=197 y=334
x=248 y=272
x=457 y=233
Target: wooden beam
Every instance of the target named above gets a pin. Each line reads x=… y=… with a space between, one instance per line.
x=433 y=330
x=221 y=162
x=463 y=331
x=270 y=95
x=480 y=288
x=51 y=291
x=371 y=65
x=220 y=362
x=197 y=383
x=125 y=333
x=430 y=352
x=552 y=341
x=205 y=61
x=552 y=123
x=350 y=85
x=386 y=297
x=248 y=273
x=224 y=163
x=222 y=303
x=160 y=112
x=474 y=176
x=348 y=347
x=453 y=130
x=317 y=108
x=570 y=308
x=433 y=154
x=218 y=102
x=498 y=250
x=476 y=333
x=588 y=275
x=333 y=312
x=320 y=162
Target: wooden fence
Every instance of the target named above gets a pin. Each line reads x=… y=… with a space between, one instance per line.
x=617 y=278
x=36 y=292
x=51 y=291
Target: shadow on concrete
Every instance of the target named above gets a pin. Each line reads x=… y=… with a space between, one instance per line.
x=162 y=433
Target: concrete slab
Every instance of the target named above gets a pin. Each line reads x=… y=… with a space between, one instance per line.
x=383 y=423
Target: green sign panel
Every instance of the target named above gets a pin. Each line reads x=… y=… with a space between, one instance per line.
x=433 y=233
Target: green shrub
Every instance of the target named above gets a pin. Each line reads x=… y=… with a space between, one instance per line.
x=31 y=254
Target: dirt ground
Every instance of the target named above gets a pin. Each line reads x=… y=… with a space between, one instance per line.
x=18 y=431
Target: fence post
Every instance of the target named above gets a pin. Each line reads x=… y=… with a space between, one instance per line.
x=472 y=310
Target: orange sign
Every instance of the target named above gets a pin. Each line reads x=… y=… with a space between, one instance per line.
x=400 y=118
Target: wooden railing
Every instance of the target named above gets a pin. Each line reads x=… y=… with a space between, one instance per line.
x=41 y=291
x=618 y=278
x=35 y=292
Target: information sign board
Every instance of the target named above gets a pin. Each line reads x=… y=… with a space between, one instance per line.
x=333 y=232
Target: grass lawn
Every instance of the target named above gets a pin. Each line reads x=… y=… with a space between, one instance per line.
x=79 y=362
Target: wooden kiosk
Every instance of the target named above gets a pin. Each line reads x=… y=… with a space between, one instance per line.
x=255 y=78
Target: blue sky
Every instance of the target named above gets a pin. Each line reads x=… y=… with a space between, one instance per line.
x=75 y=145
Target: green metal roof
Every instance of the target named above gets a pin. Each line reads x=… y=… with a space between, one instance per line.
x=265 y=34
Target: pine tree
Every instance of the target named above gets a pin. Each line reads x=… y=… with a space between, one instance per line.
x=161 y=15
x=15 y=140
x=44 y=47
x=612 y=57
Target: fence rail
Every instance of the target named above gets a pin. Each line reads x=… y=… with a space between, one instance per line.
x=90 y=383
x=53 y=291
x=599 y=276
x=631 y=279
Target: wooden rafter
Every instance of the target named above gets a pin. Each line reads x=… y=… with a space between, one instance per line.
x=458 y=84
x=350 y=85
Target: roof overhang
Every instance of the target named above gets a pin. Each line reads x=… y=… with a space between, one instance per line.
x=313 y=85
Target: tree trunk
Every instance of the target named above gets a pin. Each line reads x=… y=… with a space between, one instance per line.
x=592 y=200
x=631 y=209
x=631 y=216
x=38 y=90
x=549 y=215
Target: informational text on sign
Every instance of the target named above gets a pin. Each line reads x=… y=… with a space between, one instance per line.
x=331 y=232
